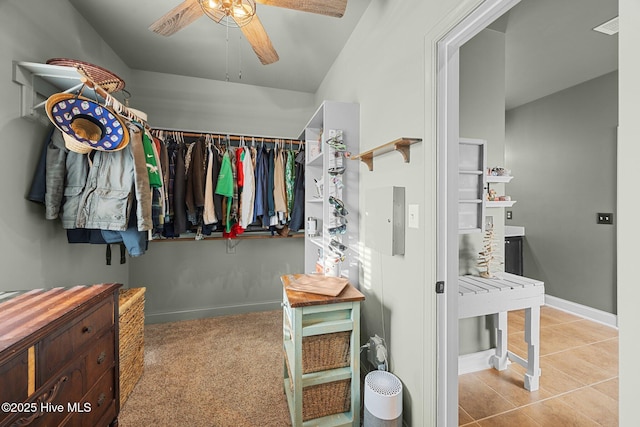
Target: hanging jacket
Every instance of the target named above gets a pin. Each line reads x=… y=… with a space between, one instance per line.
x=260 y=201
x=114 y=179
x=209 y=212
x=179 y=188
x=225 y=186
x=194 y=196
x=65 y=178
x=279 y=191
x=297 y=214
x=248 y=190
x=290 y=179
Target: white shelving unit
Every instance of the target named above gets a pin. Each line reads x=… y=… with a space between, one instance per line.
x=332 y=117
x=472 y=162
x=499 y=180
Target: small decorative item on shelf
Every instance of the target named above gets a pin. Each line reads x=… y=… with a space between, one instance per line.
x=312 y=226
x=319 y=187
x=498 y=171
x=491 y=195
x=487 y=257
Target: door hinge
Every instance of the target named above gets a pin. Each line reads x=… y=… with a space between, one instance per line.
x=440 y=287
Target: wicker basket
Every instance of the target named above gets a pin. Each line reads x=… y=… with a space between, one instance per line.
x=324 y=399
x=326 y=351
x=131 y=324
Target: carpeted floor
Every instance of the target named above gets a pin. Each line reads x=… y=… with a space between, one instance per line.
x=215 y=372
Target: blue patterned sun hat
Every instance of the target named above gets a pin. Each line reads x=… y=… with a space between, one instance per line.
x=88 y=122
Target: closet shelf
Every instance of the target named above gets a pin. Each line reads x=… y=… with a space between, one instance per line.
x=39 y=81
x=400 y=145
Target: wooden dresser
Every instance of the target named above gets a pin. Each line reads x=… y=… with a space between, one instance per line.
x=59 y=357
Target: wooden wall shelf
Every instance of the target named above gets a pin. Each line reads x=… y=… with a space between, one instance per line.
x=401 y=145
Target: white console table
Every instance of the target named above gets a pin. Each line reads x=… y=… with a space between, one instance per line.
x=479 y=296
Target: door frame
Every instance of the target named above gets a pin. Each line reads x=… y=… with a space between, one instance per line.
x=447 y=135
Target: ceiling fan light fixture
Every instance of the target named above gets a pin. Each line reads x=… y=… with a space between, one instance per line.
x=232 y=13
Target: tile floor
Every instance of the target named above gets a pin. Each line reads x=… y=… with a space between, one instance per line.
x=578 y=385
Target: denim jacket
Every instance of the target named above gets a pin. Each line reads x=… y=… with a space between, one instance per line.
x=66 y=175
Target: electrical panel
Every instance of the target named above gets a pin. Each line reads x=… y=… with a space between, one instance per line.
x=385 y=213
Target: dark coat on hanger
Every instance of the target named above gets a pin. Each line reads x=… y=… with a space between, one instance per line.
x=194 y=196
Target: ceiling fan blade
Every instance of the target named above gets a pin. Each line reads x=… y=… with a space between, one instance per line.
x=177 y=18
x=333 y=8
x=260 y=41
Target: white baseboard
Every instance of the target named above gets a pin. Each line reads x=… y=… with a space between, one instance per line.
x=175 y=316
x=474 y=362
x=582 y=311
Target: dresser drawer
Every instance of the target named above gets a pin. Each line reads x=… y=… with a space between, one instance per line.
x=61 y=347
x=100 y=358
x=48 y=406
x=14 y=376
x=99 y=400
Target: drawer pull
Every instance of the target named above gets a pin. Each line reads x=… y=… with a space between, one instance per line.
x=101 y=399
x=101 y=357
x=42 y=400
x=87 y=330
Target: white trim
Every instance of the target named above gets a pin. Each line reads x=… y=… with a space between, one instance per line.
x=474 y=362
x=447 y=133
x=584 y=311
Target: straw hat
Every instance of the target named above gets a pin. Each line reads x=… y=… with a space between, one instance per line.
x=87 y=122
x=100 y=76
x=74 y=145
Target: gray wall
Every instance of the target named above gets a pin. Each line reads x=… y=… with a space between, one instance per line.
x=562 y=150
x=194 y=279
x=482 y=99
x=35 y=251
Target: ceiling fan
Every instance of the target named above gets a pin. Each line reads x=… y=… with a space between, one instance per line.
x=242 y=13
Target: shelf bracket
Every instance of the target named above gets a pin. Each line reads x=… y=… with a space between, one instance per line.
x=404 y=150
x=401 y=145
x=367 y=159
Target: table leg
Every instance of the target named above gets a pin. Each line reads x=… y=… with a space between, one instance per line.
x=499 y=360
x=532 y=337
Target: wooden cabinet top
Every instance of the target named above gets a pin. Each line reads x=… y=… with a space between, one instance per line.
x=34 y=313
x=302 y=299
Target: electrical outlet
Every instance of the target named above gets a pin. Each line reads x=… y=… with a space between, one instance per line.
x=488 y=222
x=509 y=214
x=605 y=218
x=377 y=352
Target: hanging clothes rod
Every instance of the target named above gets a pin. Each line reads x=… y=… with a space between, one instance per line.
x=117 y=105
x=247 y=139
